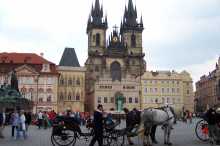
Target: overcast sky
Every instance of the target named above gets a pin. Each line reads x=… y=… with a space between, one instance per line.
x=179 y=34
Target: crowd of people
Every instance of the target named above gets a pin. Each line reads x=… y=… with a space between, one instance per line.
x=20 y=121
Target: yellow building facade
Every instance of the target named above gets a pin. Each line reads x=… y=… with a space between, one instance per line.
x=162 y=87
x=71 y=88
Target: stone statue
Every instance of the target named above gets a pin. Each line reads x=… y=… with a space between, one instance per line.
x=14 y=81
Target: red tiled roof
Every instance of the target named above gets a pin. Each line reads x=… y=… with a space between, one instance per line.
x=21 y=58
x=10 y=61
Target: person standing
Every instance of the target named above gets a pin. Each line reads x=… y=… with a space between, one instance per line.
x=14 y=122
x=28 y=119
x=2 y=122
x=129 y=124
x=210 y=116
x=40 y=119
x=22 y=124
x=98 y=126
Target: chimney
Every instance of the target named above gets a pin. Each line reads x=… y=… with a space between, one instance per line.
x=42 y=54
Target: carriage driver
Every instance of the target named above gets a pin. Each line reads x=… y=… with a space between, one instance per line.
x=98 y=126
x=130 y=123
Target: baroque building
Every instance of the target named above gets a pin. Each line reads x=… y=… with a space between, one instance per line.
x=37 y=78
x=208 y=89
x=162 y=87
x=71 y=87
x=114 y=65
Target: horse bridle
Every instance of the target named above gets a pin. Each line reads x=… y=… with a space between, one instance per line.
x=169 y=118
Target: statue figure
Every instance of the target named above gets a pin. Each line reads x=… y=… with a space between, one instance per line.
x=14 y=81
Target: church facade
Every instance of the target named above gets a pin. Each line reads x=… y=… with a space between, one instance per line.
x=115 y=63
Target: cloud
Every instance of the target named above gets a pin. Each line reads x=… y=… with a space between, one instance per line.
x=198 y=70
x=178 y=34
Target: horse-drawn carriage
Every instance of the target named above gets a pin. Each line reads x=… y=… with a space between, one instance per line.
x=66 y=131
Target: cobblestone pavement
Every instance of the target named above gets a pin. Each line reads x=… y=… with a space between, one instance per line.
x=182 y=135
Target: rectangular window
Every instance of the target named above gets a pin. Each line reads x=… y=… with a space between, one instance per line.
x=168 y=90
x=99 y=100
x=105 y=100
x=173 y=90
x=112 y=100
x=77 y=97
x=136 y=100
x=162 y=90
x=178 y=90
x=145 y=90
x=40 y=99
x=151 y=90
x=162 y=81
x=130 y=99
x=125 y=99
x=187 y=91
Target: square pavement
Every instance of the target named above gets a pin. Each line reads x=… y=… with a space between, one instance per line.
x=182 y=135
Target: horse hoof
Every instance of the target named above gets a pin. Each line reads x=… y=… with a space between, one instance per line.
x=169 y=144
x=165 y=143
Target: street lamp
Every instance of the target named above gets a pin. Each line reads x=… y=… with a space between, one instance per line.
x=37 y=81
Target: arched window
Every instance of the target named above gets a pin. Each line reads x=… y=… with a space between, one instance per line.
x=78 y=81
x=97 y=39
x=77 y=97
x=70 y=82
x=61 y=96
x=61 y=81
x=49 y=98
x=69 y=96
x=97 y=68
x=133 y=40
x=116 y=71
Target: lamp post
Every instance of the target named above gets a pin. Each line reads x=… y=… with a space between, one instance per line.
x=37 y=81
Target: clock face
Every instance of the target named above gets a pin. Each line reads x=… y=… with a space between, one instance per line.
x=115 y=39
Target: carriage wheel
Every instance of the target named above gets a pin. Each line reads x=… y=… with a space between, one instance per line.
x=107 y=139
x=66 y=138
x=202 y=131
x=120 y=140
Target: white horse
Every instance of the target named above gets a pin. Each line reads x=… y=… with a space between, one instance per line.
x=157 y=116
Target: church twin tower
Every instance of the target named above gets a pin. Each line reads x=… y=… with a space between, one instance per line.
x=130 y=30
x=114 y=64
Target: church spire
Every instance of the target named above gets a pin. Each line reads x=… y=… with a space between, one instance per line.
x=130 y=18
x=96 y=17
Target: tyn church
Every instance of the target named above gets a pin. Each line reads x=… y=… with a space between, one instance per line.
x=115 y=63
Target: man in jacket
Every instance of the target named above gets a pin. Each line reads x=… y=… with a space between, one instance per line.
x=98 y=126
x=210 y=116
x=130 y=123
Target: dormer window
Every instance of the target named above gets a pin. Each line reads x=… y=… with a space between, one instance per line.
x=46 y=68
